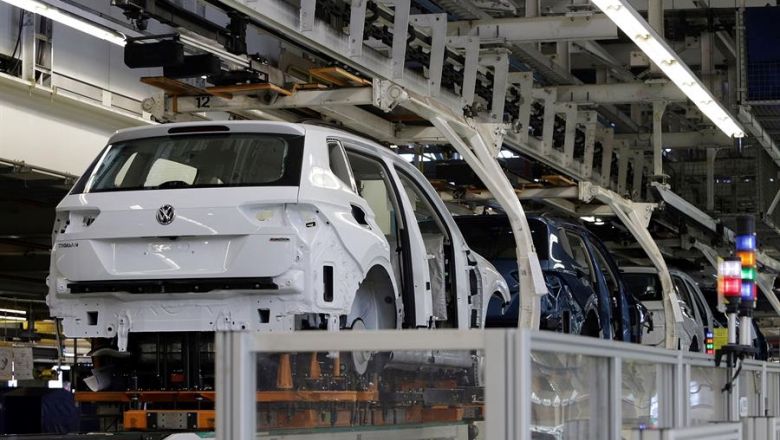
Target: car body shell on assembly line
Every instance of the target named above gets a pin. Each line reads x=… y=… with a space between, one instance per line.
x=586 y=294
x=258 y=226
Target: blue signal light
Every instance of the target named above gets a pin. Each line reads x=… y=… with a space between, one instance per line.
x=747 y=290
x=746 y=242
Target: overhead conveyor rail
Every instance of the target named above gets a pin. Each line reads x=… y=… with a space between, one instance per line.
x=531 y=382
x=478 y=135
x=556 y=125
x=473 y=35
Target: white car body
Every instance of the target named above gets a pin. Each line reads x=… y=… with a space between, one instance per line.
x=697 y=317
x=253 y=257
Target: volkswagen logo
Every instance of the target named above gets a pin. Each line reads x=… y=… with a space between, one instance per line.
x=165 y=215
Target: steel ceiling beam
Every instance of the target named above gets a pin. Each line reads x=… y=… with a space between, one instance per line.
x=301 y=98
x=621 y=93
x=688 y=139
x=575 y=27
x=754 y=127
x=642 y=5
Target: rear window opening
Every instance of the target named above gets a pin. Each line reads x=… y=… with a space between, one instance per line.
x=491 y=236
x=196 y=161
x=645 y=286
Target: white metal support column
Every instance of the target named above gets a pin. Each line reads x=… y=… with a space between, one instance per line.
x=764 y=401
x=712 y=153
x=773 y=205
x=563 y=54
x=28 y=46
x=357 y=23
x=686 y=380
x=622 y=177
x=732 y=398
x=235 y=384
x=471 y=46
x=655 y=17
x=437 y=23
x=658 y=147
x=607 y=136
x=615 y=415
x=525 y=80
x=400 y=34
x=570 y=131
x=707 y=66
x=636 y=217
x=307 y=15
x=481 y=157
x=639 y=168
x=548 y=120
x=499 y=351
x=679 y=392
x=765 y=284
x=531 y=8
x=499 y=60
x=521 y=371
x=590 y=120
x=709 y=253
x=664 y=387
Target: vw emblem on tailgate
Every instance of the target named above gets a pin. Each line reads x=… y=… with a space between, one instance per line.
x=165 y=215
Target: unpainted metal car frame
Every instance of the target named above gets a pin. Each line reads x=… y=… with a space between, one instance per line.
x=586 y=294
x=697 y=316
x=208 y=250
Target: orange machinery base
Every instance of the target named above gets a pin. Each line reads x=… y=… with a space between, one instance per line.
x=204 y=419
x=170 y=419
x=360 y=410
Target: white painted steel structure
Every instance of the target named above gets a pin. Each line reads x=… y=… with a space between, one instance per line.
x=478 y=140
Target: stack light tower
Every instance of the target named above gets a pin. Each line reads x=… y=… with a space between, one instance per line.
x=737 y=278
x=730 y=292
x=746 y=251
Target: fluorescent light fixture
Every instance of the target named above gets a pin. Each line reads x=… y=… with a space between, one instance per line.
x=654 y=46
x=14 y=311
x=72 y=21
x=12 y=318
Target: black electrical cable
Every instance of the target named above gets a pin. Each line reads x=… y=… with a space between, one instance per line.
x=730 y=383
x=18 y=40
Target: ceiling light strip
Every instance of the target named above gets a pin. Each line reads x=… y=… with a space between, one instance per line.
x=71 y=21
x=654 y=46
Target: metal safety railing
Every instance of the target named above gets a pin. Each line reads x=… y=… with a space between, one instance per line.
x=502 y=384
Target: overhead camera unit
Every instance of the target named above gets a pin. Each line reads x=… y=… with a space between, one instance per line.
x=167 y=51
